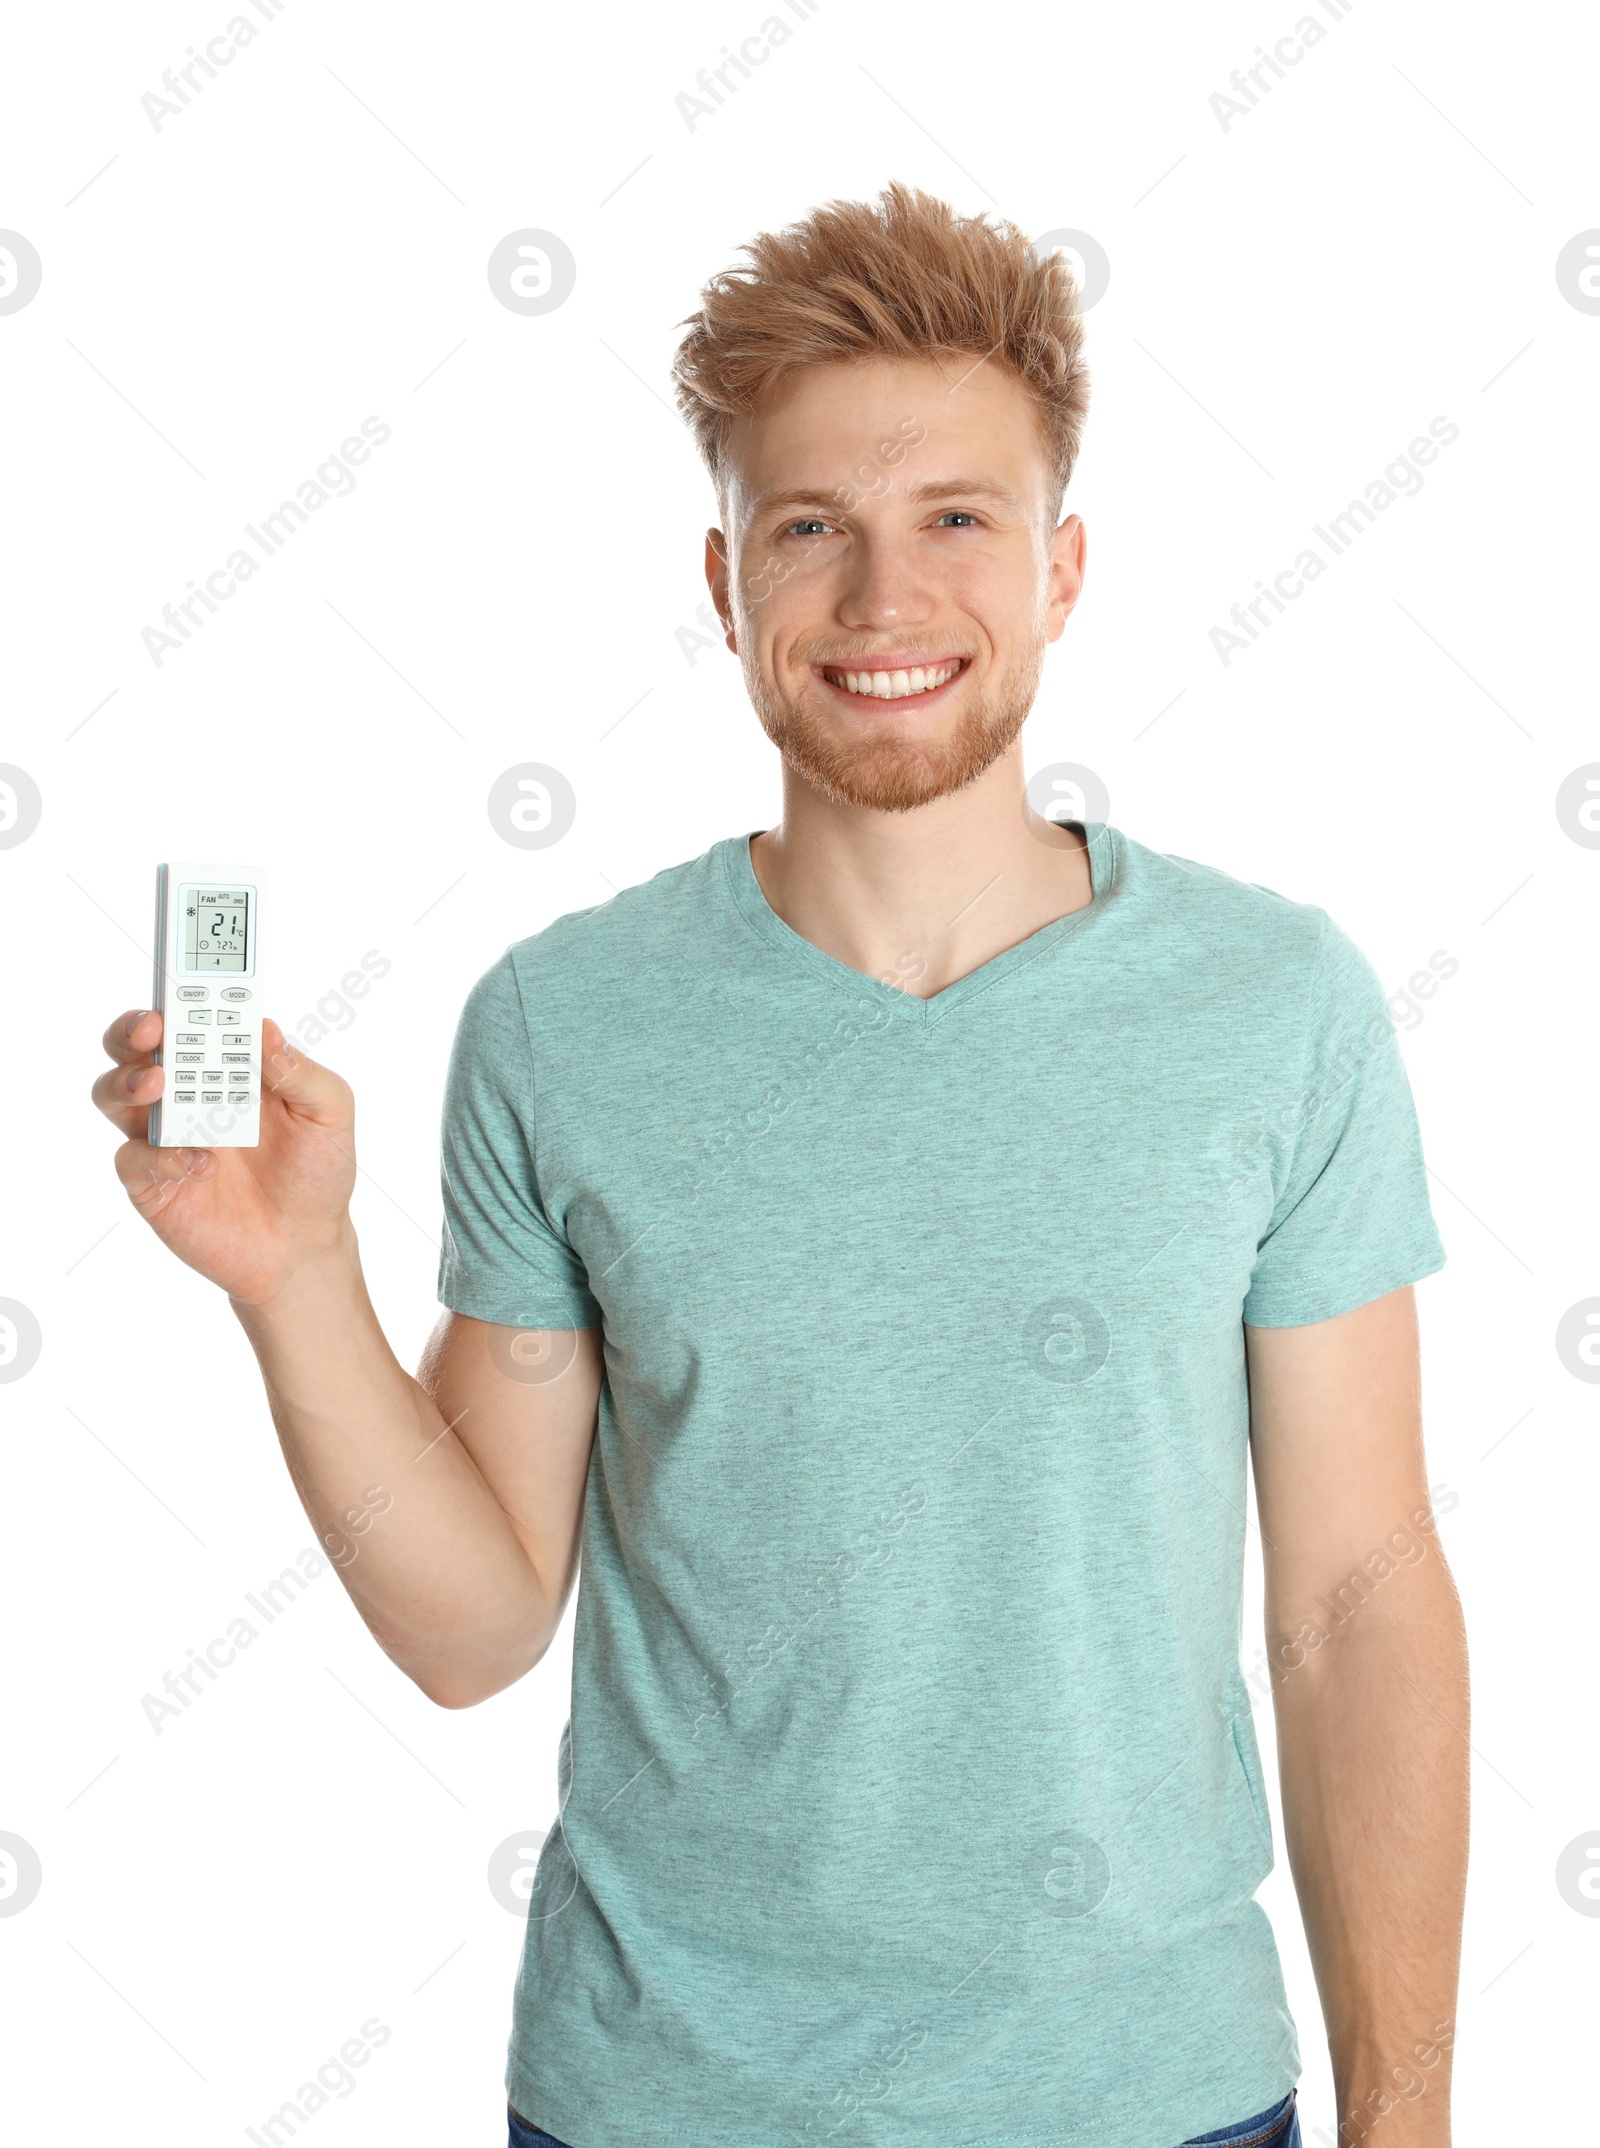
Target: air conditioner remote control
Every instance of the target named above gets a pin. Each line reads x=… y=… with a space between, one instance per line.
x=208 y=988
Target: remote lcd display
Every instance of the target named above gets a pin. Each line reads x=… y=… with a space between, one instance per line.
x=216 y=929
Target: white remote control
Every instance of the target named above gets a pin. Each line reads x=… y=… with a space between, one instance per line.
x=208 y=988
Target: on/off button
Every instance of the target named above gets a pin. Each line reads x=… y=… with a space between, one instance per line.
x=194 y=991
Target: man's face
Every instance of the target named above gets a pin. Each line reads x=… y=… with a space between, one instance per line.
x=885 y=518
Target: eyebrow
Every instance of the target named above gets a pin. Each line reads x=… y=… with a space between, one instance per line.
x=938 y=488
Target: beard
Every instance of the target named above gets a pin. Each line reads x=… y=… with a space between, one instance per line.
x=895 y=774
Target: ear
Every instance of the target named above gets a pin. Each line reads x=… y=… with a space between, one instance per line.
x=717 y=583
x=1069 y=551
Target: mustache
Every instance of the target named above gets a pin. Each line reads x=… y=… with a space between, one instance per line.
x=866 y=660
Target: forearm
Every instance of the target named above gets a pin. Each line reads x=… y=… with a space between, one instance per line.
x=1372 y=1741
x=425 y=1550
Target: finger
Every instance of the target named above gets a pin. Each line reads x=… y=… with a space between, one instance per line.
x=302 y=1083
x=134 y=1035
x=150 y=1176
x=125 y=1095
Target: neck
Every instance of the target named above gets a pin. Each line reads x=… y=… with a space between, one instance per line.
x=923 y=897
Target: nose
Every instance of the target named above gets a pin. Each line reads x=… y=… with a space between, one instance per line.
x=884 y=587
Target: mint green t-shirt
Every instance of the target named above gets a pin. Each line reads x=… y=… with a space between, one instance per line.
x=910 y=1795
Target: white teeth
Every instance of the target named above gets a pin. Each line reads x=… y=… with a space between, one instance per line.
x=892 y=685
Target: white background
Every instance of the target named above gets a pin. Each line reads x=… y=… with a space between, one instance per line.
x=1292 y=300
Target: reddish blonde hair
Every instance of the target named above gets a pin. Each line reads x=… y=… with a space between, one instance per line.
x=902 y=277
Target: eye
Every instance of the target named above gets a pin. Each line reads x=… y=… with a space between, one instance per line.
x=806 y=527
x=965 y=514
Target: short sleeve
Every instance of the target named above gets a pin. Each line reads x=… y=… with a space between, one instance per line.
x=501 y=1258
x=1352 y=1220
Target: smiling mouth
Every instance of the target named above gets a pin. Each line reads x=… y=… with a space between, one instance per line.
x=899 y=683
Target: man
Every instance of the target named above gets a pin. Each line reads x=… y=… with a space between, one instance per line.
x=877 y=1242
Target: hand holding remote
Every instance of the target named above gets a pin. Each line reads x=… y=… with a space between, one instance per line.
x=248 y=1219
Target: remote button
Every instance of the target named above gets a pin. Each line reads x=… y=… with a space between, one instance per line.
x=197 y=1014
x=211 y=1096
x=184 y=1096
x=238 y=1096
x=235 y=992
x=236 y=1059
x=191 y=1040
x=194 y=991
x=190 y=1059
x=228 y=1014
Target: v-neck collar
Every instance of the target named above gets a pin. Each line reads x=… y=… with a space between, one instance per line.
x=1105 y=872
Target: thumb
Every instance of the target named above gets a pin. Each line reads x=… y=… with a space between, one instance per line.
x=294 y=1077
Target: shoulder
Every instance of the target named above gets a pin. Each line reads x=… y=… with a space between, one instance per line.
x=1253 y=946
x=611 y=948
x=1197 y=892
x=1278 y=941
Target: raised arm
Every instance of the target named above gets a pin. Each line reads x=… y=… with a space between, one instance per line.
x=1368 y=1653
x=450 y=1504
